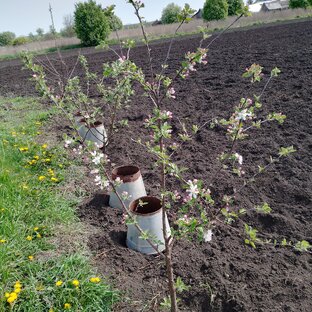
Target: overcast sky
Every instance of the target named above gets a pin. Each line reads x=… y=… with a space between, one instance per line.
x=25 y=16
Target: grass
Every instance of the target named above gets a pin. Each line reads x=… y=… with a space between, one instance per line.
x=32 y=208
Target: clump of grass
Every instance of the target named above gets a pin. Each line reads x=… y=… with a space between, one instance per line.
x=31 y=207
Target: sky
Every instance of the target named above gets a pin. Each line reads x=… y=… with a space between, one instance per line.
x=25 y=16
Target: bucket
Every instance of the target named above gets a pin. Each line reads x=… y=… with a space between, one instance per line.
x=149 y=218
x=132 y=183
x=94 y=132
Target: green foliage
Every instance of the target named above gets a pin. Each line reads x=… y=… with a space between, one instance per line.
x=180 y=286
x=20 y=40
x=294 y=4
x=285 y=151
x=215 y=10
x=91 y=23
x=6 y=38
x=235 y=7
x=264 y=208
x=170 y=14
x=115 y=22
x=303 y=246
x=252 y=236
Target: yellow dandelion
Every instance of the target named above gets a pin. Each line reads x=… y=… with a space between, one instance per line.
x=30 y=258
x=13 y=133
x=12 y=297
x=54 y=179
x=17 y=290
x=59 y=283
x=67 y=306
x=38 y=132
x=36 y=157
x=51 y=310
x=47 y=160
x=95 y=279
x=38 y=235
x=75 y=283
x=29 y=238
x=23 y=149
x=51 y=172
x=38 y=123
x=44 y=146
x=60 y=165
x=41 y=178
x=2 y=210
x=2 y=241
x=6 y=295
x=17 y=284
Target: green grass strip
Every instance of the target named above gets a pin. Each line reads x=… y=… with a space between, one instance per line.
x=36 y=275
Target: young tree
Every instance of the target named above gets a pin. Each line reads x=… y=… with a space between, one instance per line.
x=39 y=32
x=6 y=38
x=235 y=7
x=170 y=14
x=68 y=29
x=215 y=10
x=295 y=4
x=91 y=23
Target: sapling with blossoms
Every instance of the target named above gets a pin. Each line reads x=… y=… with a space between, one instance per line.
x=197 y=212
x=196 y=207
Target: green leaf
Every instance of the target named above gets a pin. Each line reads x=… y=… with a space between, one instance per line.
x=285 y=151
x=303 y=245
x=275 y=72
x=180 y=286
x=264 y=208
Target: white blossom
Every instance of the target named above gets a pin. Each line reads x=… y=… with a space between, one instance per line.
x=243 y=115
x=192 y=188
x=207 y=235
x=239 y=158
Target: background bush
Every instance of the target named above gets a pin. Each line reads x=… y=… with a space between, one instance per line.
x=235 y=7
x=91 y=23
x=170 y=14
x=294 y=4
x=6 y=38
x=215 y=10
x=20 y=40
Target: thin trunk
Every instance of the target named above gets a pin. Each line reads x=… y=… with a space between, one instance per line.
x=168 y=244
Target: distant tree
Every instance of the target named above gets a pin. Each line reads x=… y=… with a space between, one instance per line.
x=69 y=25
x=39 y=32
x=235 y=7
x=51 y=34
x=295 y=4
x=170 y=14
x=6 y=38
x=91 y=23
x=215 y=10
x=115 y=22
x=31 y=36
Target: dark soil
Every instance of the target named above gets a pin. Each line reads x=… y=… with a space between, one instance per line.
x=224 y=275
